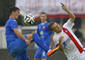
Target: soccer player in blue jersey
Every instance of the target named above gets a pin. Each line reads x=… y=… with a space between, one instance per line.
x=16 y=42
x=13 y=36
x=45 y=35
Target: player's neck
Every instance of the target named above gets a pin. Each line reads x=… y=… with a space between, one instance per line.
x=11 y=16
x=58 y=31
x=43 y=21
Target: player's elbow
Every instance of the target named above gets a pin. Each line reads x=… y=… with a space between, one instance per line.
x=73 y=17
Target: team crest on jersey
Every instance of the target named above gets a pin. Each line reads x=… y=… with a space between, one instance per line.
x=43 y=27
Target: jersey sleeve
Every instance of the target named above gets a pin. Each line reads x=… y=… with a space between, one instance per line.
x=68 y=24
x=13 y=24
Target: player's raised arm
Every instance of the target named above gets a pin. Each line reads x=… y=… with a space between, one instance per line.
x=72 y=16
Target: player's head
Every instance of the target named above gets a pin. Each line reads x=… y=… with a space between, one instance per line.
x=15 y=12
x=55 y=27
x=43 y=17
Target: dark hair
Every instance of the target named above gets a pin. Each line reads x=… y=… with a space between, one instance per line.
x=51 y=26
x=42 y=13
x=13 y=9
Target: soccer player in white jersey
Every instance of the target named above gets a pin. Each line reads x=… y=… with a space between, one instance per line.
x=66 y=40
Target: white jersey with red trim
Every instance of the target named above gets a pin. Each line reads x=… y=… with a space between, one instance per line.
x=70 y=50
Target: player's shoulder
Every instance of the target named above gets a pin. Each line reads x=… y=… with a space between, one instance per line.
x=39 y=24
x=68 y=24
x=11 y=20
x=47 y=23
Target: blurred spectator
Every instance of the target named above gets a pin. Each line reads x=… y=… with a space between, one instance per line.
x=64 y=20
x=57 y=20
x=83 y=42
x=51 y=20
x=78 y=23
x=4 y=10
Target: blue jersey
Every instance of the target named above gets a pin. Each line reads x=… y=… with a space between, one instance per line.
x=10 y=35
x=44 y=32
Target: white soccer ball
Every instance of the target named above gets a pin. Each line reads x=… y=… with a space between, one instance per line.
x=29 y=19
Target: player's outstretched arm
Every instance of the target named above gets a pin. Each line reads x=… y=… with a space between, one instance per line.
x=52 y=42
x=72 y=16
x=61 y=47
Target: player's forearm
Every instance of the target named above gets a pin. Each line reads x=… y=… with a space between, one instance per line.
x=72 y=16
x=19 y=34
x=61 y=47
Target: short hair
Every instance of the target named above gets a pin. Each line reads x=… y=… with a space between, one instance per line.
x=51 y=26
x=13 y=9
x=42 y=13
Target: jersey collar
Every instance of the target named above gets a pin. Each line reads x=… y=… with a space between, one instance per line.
x=43 y=23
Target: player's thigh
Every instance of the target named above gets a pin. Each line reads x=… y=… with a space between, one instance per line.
x=17 y=47
x=19 y=44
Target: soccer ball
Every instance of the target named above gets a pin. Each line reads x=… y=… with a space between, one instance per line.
x=29 y=19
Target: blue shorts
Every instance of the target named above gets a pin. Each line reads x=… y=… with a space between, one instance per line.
x=18 y=48
x=22 y=57
x=40 y=53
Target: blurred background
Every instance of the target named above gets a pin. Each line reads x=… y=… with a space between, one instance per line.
x=35 y=7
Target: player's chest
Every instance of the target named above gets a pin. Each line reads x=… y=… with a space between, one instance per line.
x=43 y=29
x=57 y=37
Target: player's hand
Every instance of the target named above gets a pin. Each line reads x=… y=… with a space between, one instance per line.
x=27 y=42
x=63 y=6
